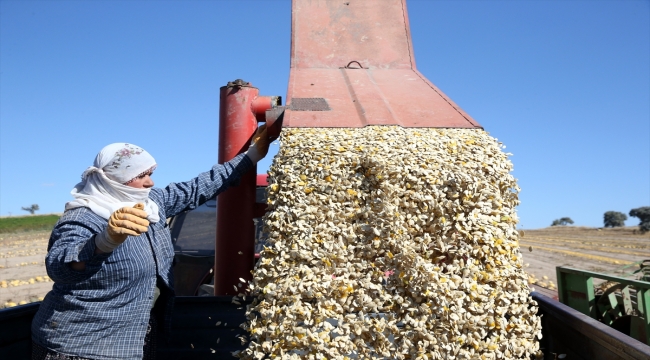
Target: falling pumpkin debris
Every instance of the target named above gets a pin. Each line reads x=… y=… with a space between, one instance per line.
x=391 y=243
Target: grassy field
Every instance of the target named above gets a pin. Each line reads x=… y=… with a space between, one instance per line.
x=17 y=224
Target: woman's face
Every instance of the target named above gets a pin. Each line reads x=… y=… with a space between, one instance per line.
x=142 y=182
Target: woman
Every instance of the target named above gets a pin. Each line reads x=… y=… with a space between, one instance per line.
x=110 y=255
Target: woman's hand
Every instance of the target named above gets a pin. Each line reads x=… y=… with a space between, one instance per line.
x=259 y=144
x=127 y=221
x=124 y=222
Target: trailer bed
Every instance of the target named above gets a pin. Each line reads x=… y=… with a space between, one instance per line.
x=196 y=335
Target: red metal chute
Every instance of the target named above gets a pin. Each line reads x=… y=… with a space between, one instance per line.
x=352 y=65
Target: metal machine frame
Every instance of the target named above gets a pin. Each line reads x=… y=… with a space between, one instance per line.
x=624 y=306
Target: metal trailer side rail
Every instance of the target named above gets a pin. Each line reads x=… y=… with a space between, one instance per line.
x=16 y=331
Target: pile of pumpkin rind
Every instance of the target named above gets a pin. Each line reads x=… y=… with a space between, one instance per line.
x=391 y=243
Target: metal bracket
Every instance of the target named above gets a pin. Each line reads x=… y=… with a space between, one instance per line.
x=349 y=65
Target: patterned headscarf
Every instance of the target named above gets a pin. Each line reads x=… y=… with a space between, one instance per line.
x=103 y=186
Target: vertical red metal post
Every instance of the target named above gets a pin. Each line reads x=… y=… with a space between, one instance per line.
x=240 y=110
x=234 y=248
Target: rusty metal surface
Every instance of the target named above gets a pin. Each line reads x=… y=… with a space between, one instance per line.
x=568 y=331
x=357 y=56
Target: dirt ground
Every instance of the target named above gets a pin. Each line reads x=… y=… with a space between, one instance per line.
x=610 y=251
x=23 y=277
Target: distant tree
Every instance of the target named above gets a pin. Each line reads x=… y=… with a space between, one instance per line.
x=562 y=221
x=31 y=209
x=643 y=213
x=614 y=219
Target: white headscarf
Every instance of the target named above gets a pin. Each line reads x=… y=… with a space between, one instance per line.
x=102 y=188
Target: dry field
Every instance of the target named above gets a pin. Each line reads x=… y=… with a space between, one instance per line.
x=613 y=251
x=609 y=251
x=23 y=277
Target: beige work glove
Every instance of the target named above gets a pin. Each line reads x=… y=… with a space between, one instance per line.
x=124 y=222
x=259 y=145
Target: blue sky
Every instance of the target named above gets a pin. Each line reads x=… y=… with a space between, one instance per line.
x=564 y=84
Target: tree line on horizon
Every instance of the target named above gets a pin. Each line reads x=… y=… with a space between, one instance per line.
x=617 y=219
x=610 y=218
